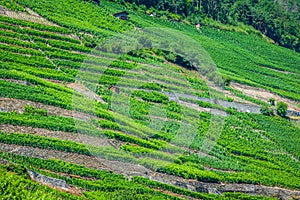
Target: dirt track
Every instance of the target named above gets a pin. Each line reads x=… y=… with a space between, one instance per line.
x=132 y=169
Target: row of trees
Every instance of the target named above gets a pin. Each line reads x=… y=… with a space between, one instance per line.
x=278 y=19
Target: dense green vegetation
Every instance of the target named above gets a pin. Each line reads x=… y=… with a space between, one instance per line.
x=19 y=186
x=130 y=107
x=277 y=19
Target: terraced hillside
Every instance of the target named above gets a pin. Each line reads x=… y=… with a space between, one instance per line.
x=78 y=122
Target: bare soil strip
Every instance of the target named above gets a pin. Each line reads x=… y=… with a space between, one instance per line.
x=131 y=169
x=17 y=105
x=264 y=95
x=74 y=137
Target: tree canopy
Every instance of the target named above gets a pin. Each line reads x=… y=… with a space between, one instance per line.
x=278 y=19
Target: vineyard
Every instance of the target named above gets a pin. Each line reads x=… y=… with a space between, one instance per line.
x=142 y=125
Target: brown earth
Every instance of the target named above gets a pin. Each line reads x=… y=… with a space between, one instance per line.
x=132 y=169
x=264 y=95
x=29 y=16
x=10 y=104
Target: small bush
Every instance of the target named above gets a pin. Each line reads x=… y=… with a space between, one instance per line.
x=281 y=109
x=267 y=111
x=173 y=106
x=152 y=96
x=152 y=86
x=272 y=101
x=32 y=110
x=227 y=80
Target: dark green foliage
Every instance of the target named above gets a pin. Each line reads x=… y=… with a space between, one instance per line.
x=267 y=111
x=88 y=41
x=281 y=109
x=113 y=72
x=227 y=80
x=123 y=65
x=68 y=46
x=35 y=61
x=48 y=122
x=272 y=101
x=198 y=84
x=276 y=19
x=173 y=106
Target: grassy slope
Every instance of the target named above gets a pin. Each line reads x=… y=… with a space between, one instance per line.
x=237 y=54
x=267 y=148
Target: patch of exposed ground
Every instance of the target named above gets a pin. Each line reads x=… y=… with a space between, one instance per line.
x=212 y=86
x=9 y=105
x=128 y=169
x=264 y=95
x=86 y=92
x=75 y=137
x=54 y=183
x=29 y=16
x=131 y=169
x=280 y=71
x=201 y=109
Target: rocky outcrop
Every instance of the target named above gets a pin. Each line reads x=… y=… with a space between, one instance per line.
x=53 y=182
x=219 y=188
x=49 y=181
x=133 y=169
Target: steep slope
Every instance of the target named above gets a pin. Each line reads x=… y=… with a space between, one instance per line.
x=59 y=124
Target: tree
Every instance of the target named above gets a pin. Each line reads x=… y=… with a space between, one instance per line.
x=278 y=19
x=281 y=109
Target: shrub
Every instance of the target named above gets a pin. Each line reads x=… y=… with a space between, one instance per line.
x=227 y=80
x=272 y=101
x=152 y=86
x=281 y=109
x=266 y=111
x=152 y=96
x=173 y=106
x=32 y=110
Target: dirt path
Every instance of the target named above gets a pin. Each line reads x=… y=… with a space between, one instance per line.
x=9 y=105
x=132 y=169
x=264 y=95
x=74 y=137
x=29 y=16
x=127 y=169
x=241 y=107
x=86 y=92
